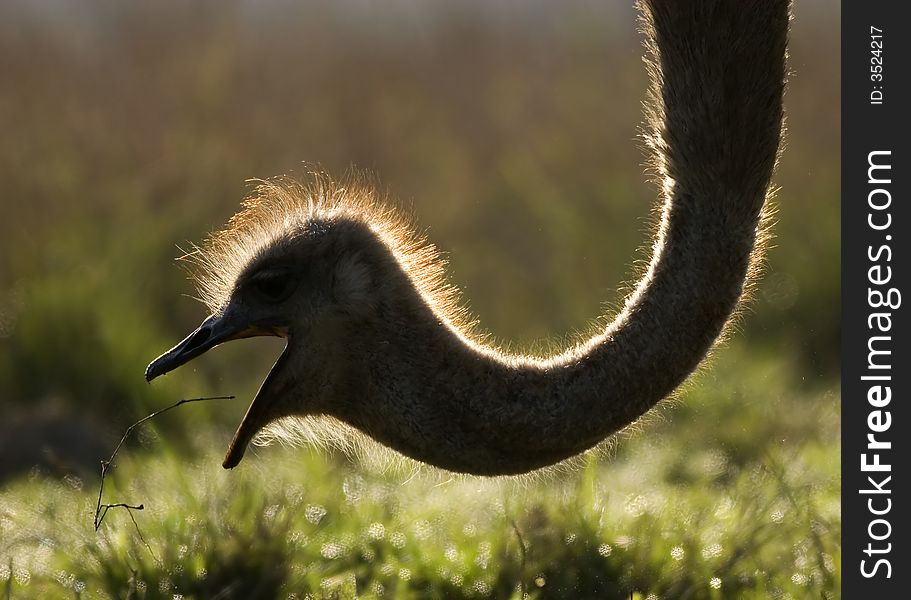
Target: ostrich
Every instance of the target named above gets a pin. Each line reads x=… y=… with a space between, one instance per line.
x=375 y=336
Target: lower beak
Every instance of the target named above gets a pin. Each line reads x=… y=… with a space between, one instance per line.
x=261 y=410
x=212 y=332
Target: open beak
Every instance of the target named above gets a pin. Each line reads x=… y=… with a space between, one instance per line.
x=212 y=332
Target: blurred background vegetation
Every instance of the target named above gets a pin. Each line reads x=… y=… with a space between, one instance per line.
x=510 y=129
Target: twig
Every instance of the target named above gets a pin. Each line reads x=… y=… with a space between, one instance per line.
x=139 y=531
x=102 y=509
x=523 y=551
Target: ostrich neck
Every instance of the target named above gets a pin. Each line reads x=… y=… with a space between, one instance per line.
x=470 y=409
x=718 y=83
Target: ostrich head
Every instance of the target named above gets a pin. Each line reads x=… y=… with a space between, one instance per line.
x=316 y=265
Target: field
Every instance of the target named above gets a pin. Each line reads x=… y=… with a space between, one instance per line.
x=510 y=131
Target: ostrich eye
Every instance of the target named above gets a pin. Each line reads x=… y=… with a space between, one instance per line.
x=273 y=287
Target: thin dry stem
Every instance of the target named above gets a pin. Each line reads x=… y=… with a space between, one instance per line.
x=101 y=510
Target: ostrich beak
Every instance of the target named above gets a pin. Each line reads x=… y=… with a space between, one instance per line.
x=261 y=410
x=212 y=332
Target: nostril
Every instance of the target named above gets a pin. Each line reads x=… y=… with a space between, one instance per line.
x=199 y=337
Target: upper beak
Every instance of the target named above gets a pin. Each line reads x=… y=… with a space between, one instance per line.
x=213 y=331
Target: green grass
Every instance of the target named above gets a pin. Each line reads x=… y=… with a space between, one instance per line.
x=685 y=507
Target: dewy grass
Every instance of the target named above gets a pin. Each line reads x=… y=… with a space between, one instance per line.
x=264 y=532
x=758 y=522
